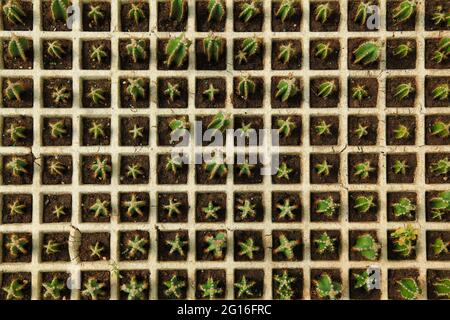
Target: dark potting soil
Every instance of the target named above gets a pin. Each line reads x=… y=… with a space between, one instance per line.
x=54 y=63
x=47 y=22
x=142 y=276
x=353 y=236
x=352 y=25
x=332 y=23
x=295 y=137
x=361 y=293
x=430 y=9
x=126 y=61
x=201 y=14
x=21 y=257
x=52 y=201
x=331 y=101
x=393 y=101
x=165 y=176
x=326 y=139
x=161 y=56
x=292 y=102
x=126 y=99
x=52 y=179
x=332 y=159
x=430 y=84
x=88 y=85
x=144 y=166
x=166 y=275
x=254 y=100
x=435 y=139
x=168 y=24
x=202 y=100
x=410 y=173
x=255 y=176
x=371 y=124
x=23 y=277
x=62 y=239
x=202 y=275
x=292 y=162
x=8 y=199
x=251 y=275
x=180 y=101
x=27 y=7
x=394 y=25
x=127 y=124
x=369 y=216
x=396 y=62
x=104 y=24
x=201 y=58
x=433 y=276
x=432 y=236
x=431 y=46
x=395 y=275
x=63 y=277
x=128 y=24
x=17 y=62
x=335 y=275
x=331 y=62
x=435 y=177
x=353 y=44
x=256 y=123
x=101 y=277
x=392 y=255
x=253 y=62
x=429 y=195
x=370 y=85
x=292 y=22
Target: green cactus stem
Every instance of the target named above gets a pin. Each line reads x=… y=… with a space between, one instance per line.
x=58 y=211
x=173 y=164
x=400 y=167
x=17 y=166
x=14 y=291
x=443 y=51
x=244 y=287
x=174 y=287
x=96 y=130
x=283 y=171
x=210 y=289
x=57 y=129
x=136 y=13
x=216 y=244
x=322 y=128
x=172 y=91
x=325 y=243
x=134 y=171
x=216 y=10
x=403 y=208
x=442 y=288
x=14 y=12
x=323 y=50
x=136 y=245
x=404 y=239
x=284 y=285
x=211 y=92
x=246 y=209
x=211 y=210
x=325 y=89
x=55 y=49
x=403 y=11
x=60 y=94
x=100 y=208
x=249 y=10
x=245 y=169
x=245 y=87
x=285 y=10
x=326 y=206
x=97 y=95
x=286 y=89
x=408 y=288
x=93 y=289
x=401 y=132
x=177 y=9
x=361 y=131
x=95 y=14
x=440 y=129
x=136 y=89
x=362 y=280
x=135 y=289
x=215 y=169
x=323 y=168
x=286 y=52
x=213 y=47
x=136 y=50
x=440 y=205
x=53 y=288
x=286 y=209
x=177 y=51
x=286 y=246
x=359 y=92
x=16 y=208
x=136 y=132
x=367 y=53
x=16 y=132
x=440 y=167
x=134 y=206
x=363 y=169
x=97 y=53
x=440 y=17
x=362 y=12
x=250 y=46
x=16 y=245
x=52 y=247
x=13 y=90
x=59 y=9
x=176 y=245
x=17 y=47
x=403 y=90
x=178 y=124
x=440 y=92
x=325 y=287
x=402 y=50
x=173 y=207
x=364 y=203
x=285 y=126
x=440 y=246
x=322 y=12
x=247 y=248
x=367 y=246
x=219 y=122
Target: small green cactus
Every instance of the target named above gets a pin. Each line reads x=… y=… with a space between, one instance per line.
x=440 y=167
x=286 y=209
x=93 y=289
x=97 y=95
x=440 y=205
x=216 y=10
x=285 y=126
x=136 y=89
x=362 y=12
x=322 y=50
x=400 y=167
x=174 y=287
x=136 y=132
x=325 y=287
x=286 y=52
x=408 y=288
x=246 y=209
x=173 y=207
x=215 y=168
x=216 y=244
x=134 y=206
x=177 y=9
x=98 y=53
x=13 y=90
x=402 y=50
x=286 y=88
x=136 y=13
x=16 y=245
x=17 y=47
x=363 y=169
x=211 y=210
x=176 y=245
x=59 y=9
x=325 y=243
x=16 y=132
x=244 y=287
x=443 y=51
x=322 y=12
x=401 y=132
x=249 y=10
x=173 y=164
x=404 y=239
x=323 y=168
x=134 y=171
x=53 y=289
x=440 y=17
x=441 y=129
x=367 y=246
x=440 y=246
x=286 y=246
x=95 y=14
x=322 y=128
x=179 y=123
x=211 y=92
x=55 y=49
x=51 y=247
x=96 y=130
x=219 y=122
x=247 y=248
x=60 y=94
x=403 y=90
x=172 y=91
x=16 y=208
x=249 y=47
x=362 y=280
x=283 y=171
x=403 y=208
x=367 y=53
x=245 y=169
x=58 y=211
x=284 y=285
x=404 y=11
x=326 y=88
x=442 y=288
x=177 y=50
x=136 y=50
x=285 y=10
x=326 y=206
x=213 y=47
x=135 y=289
x=363 y=203
x=14 y=291
x=440 y=92
x=361 y=131
x=13 y=12
x=210 y=289
x=245 y=87
x=17 y=166
x=100 y=208
x=136 y=245
x=57 y=129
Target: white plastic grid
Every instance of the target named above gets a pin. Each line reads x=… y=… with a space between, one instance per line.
x=76 y=188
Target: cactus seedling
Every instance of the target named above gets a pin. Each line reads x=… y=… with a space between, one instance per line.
x=404 y=207
x=16 y=132
x=323 y=50
x=363 y=203
x=135 y=246
x=97 y=53
x=322 y=128
x=59 y=9
x=441 y=129
x=17 y=166
x=211 y=92
x=285 y=126
x=135 y=289
x=58 y=211
x=283 y=171
x=172 y=91
x=136 y=88
x=440 y=92
x=440 y=246
x=100 y=208
x=439 y=16
x=325 y=89
x=178 y=124
x=219 y=122
x=286 y=246
x=247 y=248
x=322 y=12
x=408 y=288
x=249 y=47
x=213 y=47
x=286 y=209
x=96 y=130
x=361 y=131
x=97 y=95
x=51 y=247
x=442 y=288
x=16 y=208
x=136 y=132
x=215 y=168
x=286 y=52
x=93 y=289
x=244 y=287
x=325 y=243
x=404 y=11
x=174 y=286
x=216 y=10
x=136 y=13
x=53 y=289
x=401 y=132
x=443 y=50
x=57 y=129
x=404 y=239
x=284 y=287
x=216 y=244
x=55 y=49
x=176 y=245
x=245 y=169
x=323 y=168
x=177 y=51
x=14 y=289
x=440 y=205
x=367 y=246
x=367 y=53
x=362 y=280
x=16 y=245
x=134 y=206
x=249 y=10
x=13 y=12
x=13 y=90
x=363 y=169
x=60 y=95
x=17 y=48
x=134 y=171
x=400 y=167
x=285 y=10
x=211 y=210
x=403 y=90
x=325 y=287
x=172 y=207
x=95 y=14
x=440 y=167
x=245 y=87
x=173 y=164
x=402 y=50
x=326 y=206
x=246 y=209
x=136 y=50
x=56 y=168
x=362 y=12
x=287 y=88
x=210 y=289
x=177 y=8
